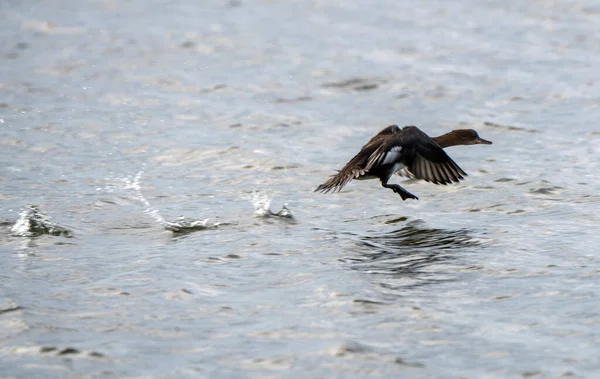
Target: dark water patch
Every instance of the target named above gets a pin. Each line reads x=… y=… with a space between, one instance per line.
x=224 y=258
x=546 y=190
x=345 y=83
x=38 y=90
x=352 y=348
x=403 y=362
x=414 y=235
x=509 y=127
x=293 y=100
x=530 y=374
x=542 y=182
x=137 y=225
x=503 y=180
x=60 y=243
x=413 y=255
x=214 y=88
x=33 y=223
x=587 y=198
x=356 y=350
x=8 y=310
x=396 y=220
x=70 y=351
x=473 y=268
x=366 y=87
x=287 y=124
x=389 y=219
x=367 y=302
x=362 y=352
x=355 y=84
x=287 y=167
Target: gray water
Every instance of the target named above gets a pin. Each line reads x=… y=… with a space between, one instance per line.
x=119 y=117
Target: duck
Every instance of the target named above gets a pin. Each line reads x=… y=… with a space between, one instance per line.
x=408 y=149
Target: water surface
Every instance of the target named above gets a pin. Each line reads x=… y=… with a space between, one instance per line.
x=118 y=118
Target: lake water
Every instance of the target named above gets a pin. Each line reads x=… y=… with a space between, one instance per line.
x=117 y=118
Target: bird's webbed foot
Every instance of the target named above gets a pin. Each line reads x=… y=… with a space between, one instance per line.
x=404 y=194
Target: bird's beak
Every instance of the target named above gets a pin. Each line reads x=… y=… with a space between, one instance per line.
x=482 y=141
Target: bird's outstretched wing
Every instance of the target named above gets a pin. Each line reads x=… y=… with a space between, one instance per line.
x=422 y=156
x=355 y=168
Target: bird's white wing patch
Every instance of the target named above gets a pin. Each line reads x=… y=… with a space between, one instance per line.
x=392 y=155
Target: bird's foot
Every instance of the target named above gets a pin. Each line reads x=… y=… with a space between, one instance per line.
x=404 y=194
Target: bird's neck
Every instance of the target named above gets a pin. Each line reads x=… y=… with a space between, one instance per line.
x=446 y=140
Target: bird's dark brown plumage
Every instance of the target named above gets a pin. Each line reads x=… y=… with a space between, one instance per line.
x=394 y=148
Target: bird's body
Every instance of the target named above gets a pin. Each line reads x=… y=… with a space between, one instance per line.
x=394 y=149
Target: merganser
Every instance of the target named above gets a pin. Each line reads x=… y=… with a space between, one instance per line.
x=395 y=148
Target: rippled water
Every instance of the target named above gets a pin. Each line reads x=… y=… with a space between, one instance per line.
x=175 y=147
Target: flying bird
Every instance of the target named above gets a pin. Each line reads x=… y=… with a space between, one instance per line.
x=394 y=149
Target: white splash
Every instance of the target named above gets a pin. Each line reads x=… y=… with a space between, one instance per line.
x=32 y=222
x=133 y=186
x=261 y=203
x=262 y=206
x=21 y=227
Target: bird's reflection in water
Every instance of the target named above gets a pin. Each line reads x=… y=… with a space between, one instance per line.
x=412 y=256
